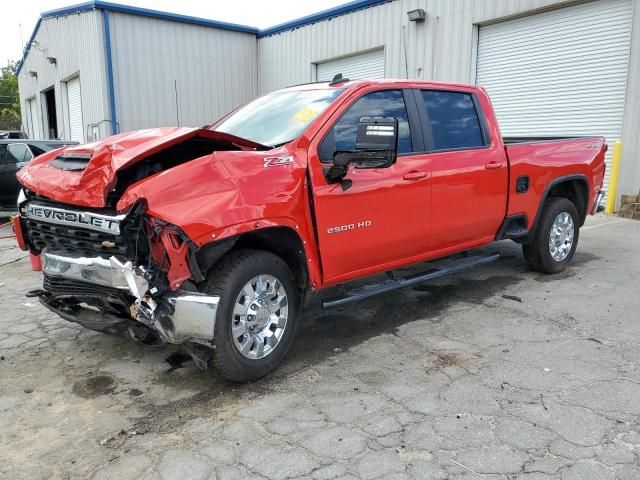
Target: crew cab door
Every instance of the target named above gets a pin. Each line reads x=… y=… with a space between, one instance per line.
x=469 y=169
x=384 y=215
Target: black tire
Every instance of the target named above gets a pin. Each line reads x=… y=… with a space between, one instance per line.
x=537 y=253
x=227 y=280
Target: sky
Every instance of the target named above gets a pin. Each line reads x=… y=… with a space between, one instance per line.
x=19 y=17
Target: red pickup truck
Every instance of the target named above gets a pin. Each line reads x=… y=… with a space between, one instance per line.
x=215 y=238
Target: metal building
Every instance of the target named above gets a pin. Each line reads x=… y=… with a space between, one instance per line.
x=551 y=66
x=95 y=69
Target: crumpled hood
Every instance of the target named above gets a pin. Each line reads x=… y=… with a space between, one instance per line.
x=90 y=186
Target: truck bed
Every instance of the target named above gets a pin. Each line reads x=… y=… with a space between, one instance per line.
x=542 y=160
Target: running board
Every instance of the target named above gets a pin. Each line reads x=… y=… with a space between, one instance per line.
x=360 y=293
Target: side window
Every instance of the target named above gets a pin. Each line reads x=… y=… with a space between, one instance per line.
x=17 y=153
x=454 y=120
x=3 y=150
x=37 y=150
x=385 y=103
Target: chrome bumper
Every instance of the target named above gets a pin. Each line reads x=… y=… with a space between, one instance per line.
x=189 y=316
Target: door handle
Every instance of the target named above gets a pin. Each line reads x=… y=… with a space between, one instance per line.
x=493 y=165
x=415 y=175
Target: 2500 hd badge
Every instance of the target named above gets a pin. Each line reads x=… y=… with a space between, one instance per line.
x=350 y=226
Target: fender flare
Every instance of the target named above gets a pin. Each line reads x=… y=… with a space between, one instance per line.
x=231 y=234
x=556 y=181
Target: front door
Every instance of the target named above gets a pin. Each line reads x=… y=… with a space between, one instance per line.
x=384 y=216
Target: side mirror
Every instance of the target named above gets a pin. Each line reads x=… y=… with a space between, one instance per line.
x=376 y=147
x=377 y=134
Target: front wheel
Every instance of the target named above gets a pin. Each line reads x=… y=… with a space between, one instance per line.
x=556 y=238
x=257 y=313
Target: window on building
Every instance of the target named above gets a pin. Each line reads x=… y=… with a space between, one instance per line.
x=454 y=120
x=17 y=153
x=385 y=103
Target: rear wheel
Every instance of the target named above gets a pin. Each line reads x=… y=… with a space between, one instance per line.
x=556 y=237
x=257 y=314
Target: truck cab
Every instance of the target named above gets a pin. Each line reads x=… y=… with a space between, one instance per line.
x=214 y=238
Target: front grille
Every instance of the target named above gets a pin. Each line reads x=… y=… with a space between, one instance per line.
x=63 y=286
x=71 y=240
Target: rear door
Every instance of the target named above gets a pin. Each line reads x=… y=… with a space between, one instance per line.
x=384 y=216
x=469 y=173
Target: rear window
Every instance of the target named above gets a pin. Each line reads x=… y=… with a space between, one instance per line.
x=454 y=120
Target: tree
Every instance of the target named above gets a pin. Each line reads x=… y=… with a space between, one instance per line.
x=10 y=118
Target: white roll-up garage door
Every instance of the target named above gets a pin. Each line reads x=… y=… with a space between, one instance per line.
x=76 y=129
x=356 y=67
x=561 y=72
x=34 y=119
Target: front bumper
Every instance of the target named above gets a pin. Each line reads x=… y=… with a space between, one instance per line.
x=176 y=317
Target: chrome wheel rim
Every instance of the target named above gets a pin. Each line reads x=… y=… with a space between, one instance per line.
x=561 y=236
x=259 y=317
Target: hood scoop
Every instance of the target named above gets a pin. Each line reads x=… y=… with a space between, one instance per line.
x=71 y=162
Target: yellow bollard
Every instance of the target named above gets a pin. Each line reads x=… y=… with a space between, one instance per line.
x=613 y=179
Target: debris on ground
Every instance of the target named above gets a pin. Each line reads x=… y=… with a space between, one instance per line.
x=630 y=206
x=515 y=298
x=177 y=360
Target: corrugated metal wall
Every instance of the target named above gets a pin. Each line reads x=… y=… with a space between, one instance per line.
x=438 y=49
x=77 y=43
x=212 y=70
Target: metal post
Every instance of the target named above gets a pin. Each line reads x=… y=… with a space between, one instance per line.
x=613 y=179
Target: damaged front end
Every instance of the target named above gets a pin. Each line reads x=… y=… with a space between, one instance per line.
x=130 y=275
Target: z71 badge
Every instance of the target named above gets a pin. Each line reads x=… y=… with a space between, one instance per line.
x=350 y=226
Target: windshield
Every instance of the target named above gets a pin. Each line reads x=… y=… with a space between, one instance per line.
x=279 y=117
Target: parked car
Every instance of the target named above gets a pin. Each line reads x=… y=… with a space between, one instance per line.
x=7 y=134
x=216 y=238
x=14 y=154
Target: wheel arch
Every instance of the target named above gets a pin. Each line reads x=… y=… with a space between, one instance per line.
x=280 y=240
x=573 y=187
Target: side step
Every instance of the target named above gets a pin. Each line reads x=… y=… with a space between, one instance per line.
x=360 y=293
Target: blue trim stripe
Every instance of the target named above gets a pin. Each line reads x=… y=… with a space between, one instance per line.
x=323 y=15
x=112 y=92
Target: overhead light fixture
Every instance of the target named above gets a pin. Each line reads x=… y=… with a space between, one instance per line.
x=33 y=74
x=417 y=15
x=52 y=60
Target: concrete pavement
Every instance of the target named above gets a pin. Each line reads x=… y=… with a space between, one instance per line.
x=492 y=373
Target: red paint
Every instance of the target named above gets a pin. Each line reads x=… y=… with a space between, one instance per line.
x=425 y=206
x=36 y=262
x=17 y=228
x=178 y=268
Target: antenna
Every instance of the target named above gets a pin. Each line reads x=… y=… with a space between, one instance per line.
x=337 y=78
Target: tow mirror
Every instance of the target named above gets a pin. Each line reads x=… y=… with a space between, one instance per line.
x=377 y=134
x=376 y=147
x=376 y=144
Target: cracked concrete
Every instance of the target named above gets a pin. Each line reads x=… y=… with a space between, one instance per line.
x=448 y=380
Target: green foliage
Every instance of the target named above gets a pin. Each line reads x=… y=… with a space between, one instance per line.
x=9 y=98
x=9 y=119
